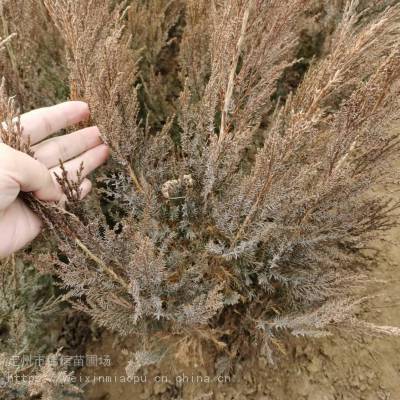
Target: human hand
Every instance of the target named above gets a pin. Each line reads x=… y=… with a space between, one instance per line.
x=20 y=172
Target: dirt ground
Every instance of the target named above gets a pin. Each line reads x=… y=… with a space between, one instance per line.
x=329 y=369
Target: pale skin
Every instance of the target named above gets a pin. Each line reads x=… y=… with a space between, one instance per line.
x=22 y=173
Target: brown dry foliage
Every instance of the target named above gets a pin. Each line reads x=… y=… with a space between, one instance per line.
x=211 y=238
x=32 y=62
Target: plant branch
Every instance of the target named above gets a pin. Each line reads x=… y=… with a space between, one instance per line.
x=102 y=265
x=231 y=81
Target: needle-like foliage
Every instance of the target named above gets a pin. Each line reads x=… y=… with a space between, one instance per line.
x=235 y=215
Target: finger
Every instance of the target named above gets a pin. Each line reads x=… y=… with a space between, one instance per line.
x=41 y=123
x=22 y=172
x=91 y=160
x=18 y=226
x=65 y=147
x=85 y=187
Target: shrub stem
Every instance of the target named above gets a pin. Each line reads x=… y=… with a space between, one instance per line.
x=101 y=264
x=134 y=178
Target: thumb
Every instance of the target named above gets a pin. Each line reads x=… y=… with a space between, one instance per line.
x=20 y=172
